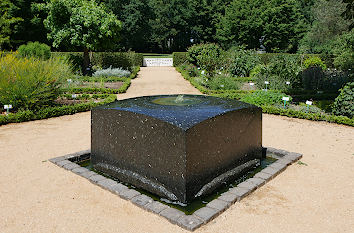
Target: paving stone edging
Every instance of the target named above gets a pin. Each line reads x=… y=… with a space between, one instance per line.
x=199 y=217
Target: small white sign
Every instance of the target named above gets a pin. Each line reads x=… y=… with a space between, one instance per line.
x=308 y=102
x=73 y=96
x=251 y=84
x=287 y=83
x=286 y=98
x=266 y=82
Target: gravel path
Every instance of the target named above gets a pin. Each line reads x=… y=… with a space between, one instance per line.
x=38 y=196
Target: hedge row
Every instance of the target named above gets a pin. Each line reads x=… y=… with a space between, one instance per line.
x=309 y=116
x=125 y=60
x=179 y=58
x=238 y=94
x=28 y=115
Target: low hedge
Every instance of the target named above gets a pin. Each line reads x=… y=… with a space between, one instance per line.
x=179 y=58
x=133 y=75
x=95 y=90
x=309 y=116
x=28 y=115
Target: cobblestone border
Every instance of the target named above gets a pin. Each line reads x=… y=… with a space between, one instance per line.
x=199 y=217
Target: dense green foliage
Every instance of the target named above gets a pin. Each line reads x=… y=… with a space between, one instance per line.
x=168 y=26
x=81 y=24
x=179 y=58
x=240 y=62
x=27 y=83
x=344 y=103
x=6 y=20
x=261 y=98
x=278 y=72
x=314 y=62
x=206 y=56
x=104 y=60
x=35 y=50
x=271 y=109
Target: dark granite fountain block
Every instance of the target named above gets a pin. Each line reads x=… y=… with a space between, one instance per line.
x=177 y=147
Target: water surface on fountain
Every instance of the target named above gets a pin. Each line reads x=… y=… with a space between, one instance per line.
x=183 y=111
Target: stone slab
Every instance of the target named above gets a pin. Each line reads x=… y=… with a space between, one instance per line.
x=172 y=214
x=88 y=174
x=156 y=207
x=247 y=185
x=263 y=175
x=62 y=163
x=206 y=213
x=189 y=222
x=228 y=197
x=240 y=192
x=70 y=166
x=218 y=204
x=129 y=194
x=118 y=188
x=96 y=178
x=142 y=200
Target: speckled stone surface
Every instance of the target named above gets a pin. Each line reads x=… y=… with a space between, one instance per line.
x=176 y=147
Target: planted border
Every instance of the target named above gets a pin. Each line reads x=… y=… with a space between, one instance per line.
x=23 y=116
x=238 y=94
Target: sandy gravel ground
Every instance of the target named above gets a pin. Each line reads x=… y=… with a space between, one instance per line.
x=37 y=196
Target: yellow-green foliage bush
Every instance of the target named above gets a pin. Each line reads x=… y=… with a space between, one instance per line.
x=29 y=83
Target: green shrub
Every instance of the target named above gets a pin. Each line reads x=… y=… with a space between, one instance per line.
x=241 y=61
x=207 y=56
x=280 y=70
x=260 y=98
x=343 y=51
x=314 y=62
x=191 y=69
x=29 y=83
x=179 y=58
x=344 y=103
x=222 y=82
x=256 y=70
x=35 y=50
x=101 y=60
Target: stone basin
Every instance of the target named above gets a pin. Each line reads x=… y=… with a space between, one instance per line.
x=177 y=146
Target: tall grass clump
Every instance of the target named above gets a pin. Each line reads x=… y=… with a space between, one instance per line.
x=29 y=83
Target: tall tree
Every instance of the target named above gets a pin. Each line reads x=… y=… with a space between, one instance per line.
x=283 y=25
x=135 y=16
x=6 y=20
x=83 y=24
x=327 y=25
x=241 y=24
x=31 y=27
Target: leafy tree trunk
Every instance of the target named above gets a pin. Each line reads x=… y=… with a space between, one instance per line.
x=86 y=61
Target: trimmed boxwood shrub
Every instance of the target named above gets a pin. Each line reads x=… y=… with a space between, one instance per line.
x=179 y=58
x=344 y=103
x=34 y=50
